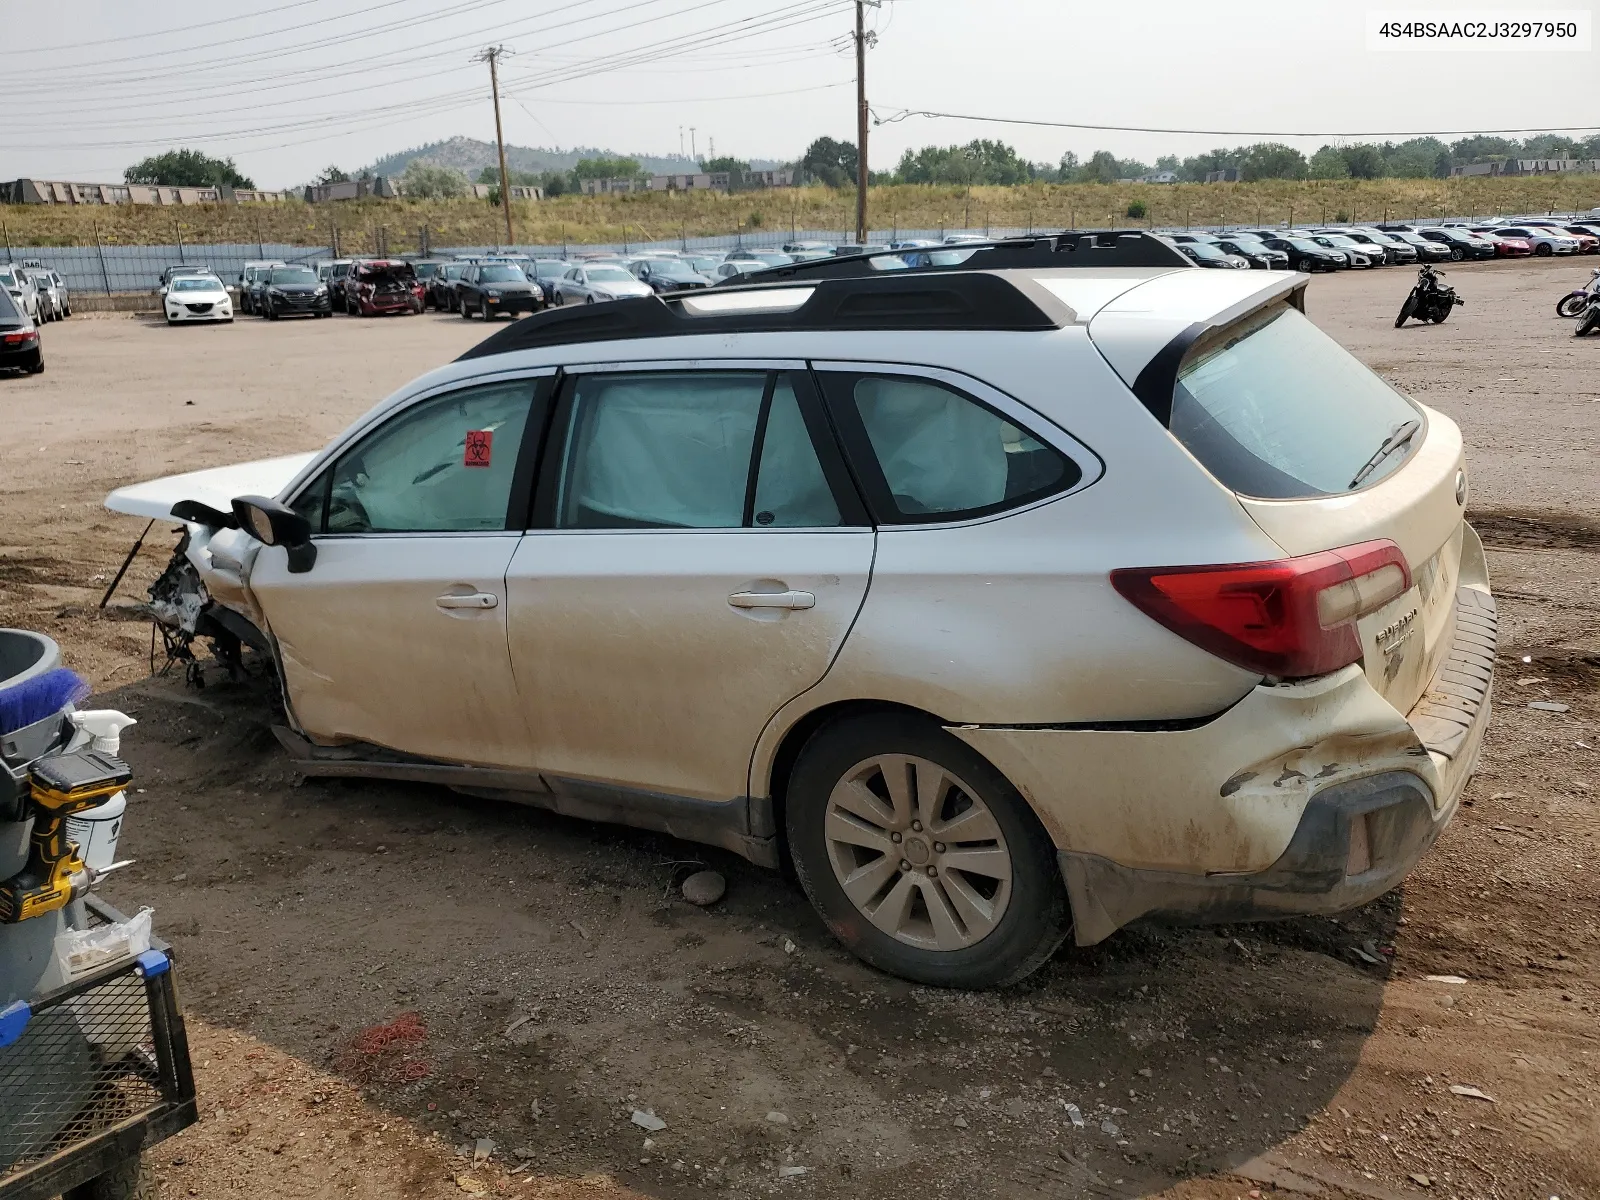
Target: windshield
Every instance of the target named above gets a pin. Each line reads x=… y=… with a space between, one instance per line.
x=304 y=276
x=1415 y=239
x=1273 y=407
x=195 y=283
x=672 y=270
x=453 y=270
x=8 y=310
x=1302 y=244
x=7 y=279
x=549 y=269
x=500 y=275
x=703 y=265
x=1202 y=250
x=1337 y=239
x=609 y=275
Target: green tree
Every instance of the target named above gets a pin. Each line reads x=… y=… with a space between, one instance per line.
x=1102 y=167
x=1415 y=158
x=1167 y=162
x=1364 y=160
x=333 y=175
x=1328 y=163
x=186 y=168
x=978 y=162
x=733 y=166
x=429 y=181
x=607 y=168
x=830 y=163
x=1194 y=169
x=1068 y=170
x=1271 y=160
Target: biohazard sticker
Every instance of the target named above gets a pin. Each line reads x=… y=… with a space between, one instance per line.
x=480 y=448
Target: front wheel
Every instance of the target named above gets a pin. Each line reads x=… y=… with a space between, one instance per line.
x=1571 y=304
x=922 y=859
x=1407 y=310
x=1590 y=322
x=1544 y=250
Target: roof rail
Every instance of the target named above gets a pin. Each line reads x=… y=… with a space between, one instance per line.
x=1106 y=248
x=906 y=300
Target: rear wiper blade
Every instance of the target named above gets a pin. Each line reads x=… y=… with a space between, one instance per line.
x=1399 y=436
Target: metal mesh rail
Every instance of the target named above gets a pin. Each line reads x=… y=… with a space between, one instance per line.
x=89 y=1075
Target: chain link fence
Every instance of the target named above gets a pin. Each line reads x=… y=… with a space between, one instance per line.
x=122 y=269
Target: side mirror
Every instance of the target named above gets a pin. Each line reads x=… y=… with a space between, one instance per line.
x=277 y=524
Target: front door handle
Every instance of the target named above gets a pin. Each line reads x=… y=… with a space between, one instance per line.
x=773 y=600
x=471 y=600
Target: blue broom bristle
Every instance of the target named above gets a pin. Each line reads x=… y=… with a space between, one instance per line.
x=37 y=698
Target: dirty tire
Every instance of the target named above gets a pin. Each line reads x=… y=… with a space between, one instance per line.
x=1571 y=304
x=1590 y=321
x=1407 y=310
x=128 y=1180
x=1036 y=916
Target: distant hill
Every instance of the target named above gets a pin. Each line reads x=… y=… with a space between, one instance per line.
x=471 y=156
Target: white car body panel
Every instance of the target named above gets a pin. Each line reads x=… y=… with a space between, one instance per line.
x=215 y=486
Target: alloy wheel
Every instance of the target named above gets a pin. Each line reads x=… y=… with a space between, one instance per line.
x=918 y=852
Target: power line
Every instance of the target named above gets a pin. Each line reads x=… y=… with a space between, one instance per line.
x=903 y=114
x=149 y=33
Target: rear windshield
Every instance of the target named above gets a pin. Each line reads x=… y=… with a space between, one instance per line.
x=1273 y=407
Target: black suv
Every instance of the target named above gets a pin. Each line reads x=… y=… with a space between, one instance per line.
x=290 y=290
x=492 y=288
x=668 y=274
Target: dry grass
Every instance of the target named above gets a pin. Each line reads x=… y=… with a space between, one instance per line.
x=365 y=225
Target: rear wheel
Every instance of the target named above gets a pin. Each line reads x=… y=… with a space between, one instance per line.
x=38 y=365
x=466 y=313
x=920 y=856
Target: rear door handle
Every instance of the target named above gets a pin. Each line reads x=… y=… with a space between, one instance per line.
x=773 y=600
x=471 y=600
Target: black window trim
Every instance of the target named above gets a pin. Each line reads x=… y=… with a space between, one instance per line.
x=868 y=473
x=853 y=510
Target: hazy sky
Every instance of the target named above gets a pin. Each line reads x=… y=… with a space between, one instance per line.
x=286 y=87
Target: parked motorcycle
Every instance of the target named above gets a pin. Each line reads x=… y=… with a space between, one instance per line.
x=1430 y=300
x=1590 y=320
x=1574 y=302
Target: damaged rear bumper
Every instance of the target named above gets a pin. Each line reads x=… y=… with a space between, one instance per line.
x=1343 y=796
x=1355 y=841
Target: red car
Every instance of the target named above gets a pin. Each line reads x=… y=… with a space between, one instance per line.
x=1505 y=247
x=382 y=286
x=1588 y=238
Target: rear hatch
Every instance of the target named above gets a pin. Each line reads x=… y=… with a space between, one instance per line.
x=1323 y=454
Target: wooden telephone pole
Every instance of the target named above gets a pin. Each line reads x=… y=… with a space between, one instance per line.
x=861 y=123
x=492 y=55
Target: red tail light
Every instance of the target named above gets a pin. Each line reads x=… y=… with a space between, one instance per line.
x=1292 y=618
x=21 y=338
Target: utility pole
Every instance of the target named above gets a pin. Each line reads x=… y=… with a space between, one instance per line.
x=861 y=123
x=693 y=153
x=492 y=55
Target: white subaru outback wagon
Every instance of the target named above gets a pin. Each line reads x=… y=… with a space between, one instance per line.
x=1063 y=586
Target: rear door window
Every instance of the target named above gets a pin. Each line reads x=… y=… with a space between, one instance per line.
x=929 y=452
x=724 y=449
x=1275 y=408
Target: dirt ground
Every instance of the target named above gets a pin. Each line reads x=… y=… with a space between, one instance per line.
x=535 y=980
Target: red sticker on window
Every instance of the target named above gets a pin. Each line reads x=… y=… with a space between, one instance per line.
x=480 y=445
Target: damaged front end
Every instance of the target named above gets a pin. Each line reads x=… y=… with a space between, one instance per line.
x=183 y=610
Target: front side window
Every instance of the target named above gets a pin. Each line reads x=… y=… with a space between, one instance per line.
x=1275 y=408
x=691 y=450
x=941 y=455
x=442 y=466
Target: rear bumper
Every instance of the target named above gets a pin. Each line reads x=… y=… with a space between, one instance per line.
x=1302 y=798
x=17 y=360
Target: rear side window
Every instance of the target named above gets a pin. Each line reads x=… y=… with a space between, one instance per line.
x=1275 y=408
x=933 y=453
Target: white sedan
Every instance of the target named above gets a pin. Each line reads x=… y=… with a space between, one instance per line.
x=591 y=284
x=190 y=298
